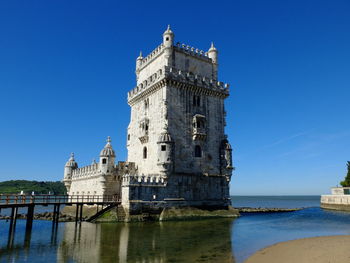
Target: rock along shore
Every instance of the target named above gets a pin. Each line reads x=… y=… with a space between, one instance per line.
x=68 y=214
x=266 y=209
x=44 y=216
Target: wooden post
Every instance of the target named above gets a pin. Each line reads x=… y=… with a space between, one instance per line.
x=30 y=216
x=81 y=213
x=76 y=213
x=58 y=213
x=11 y=218
x=54 y=213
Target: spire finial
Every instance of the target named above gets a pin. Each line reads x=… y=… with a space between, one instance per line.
x=72 y=156
x=168 y=27
x=109 y=139
x=212 y=47
x=140 y=54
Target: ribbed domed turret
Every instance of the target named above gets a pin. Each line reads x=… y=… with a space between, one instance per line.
x=108 y=151
x=71 y=162
x=164 y=137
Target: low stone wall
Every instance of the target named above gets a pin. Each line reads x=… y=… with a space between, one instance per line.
x=336 y=202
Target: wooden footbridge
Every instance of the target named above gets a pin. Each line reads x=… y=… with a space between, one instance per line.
x=14 y=202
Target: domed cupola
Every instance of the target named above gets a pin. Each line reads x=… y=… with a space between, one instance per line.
x=165 y=138
x=68 y=170
x=107 y=158
x=71 y=162
x=107 y=151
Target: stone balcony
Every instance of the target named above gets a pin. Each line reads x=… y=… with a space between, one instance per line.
x=199 y=133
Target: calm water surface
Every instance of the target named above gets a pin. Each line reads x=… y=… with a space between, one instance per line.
x=223 y=240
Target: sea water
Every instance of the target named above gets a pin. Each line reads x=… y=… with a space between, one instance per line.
x=215 y=240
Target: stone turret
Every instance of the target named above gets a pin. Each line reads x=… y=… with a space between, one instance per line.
x=71 y=165
x=138 y=64
x=213 y=55
x=168 y=37
x=107 y=158
x=165 y=153
x=168 y=42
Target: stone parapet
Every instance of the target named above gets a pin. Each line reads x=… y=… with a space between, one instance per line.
x=198 y=82
x=192 y=51
x=143 y=180
x=148 y=59
x=335 y=199
x=89 y=170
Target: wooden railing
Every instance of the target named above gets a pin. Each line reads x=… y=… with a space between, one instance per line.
x=56 y=199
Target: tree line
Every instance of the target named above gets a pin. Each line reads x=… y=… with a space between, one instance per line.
x=17 y=186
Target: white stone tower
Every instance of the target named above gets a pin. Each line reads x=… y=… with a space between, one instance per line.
x=178 y=152
x=177 y=123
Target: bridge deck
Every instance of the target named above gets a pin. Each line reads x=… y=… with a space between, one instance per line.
x=8 y=201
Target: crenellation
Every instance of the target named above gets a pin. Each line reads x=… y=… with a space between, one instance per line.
x=192 y=51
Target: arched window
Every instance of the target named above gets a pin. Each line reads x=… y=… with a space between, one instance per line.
x=104 y=160
x=197 y=151
x=144 y=152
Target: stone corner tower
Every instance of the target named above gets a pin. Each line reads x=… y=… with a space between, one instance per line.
x=176 y=133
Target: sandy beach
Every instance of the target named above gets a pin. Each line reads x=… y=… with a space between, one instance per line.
x=327 y=249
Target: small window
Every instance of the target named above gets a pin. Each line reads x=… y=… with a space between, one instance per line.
x=196 y=100
x=197 y=151
x=144 y=152
x=163 y=148
x=167 y=39
x=128 y=137
x=104 y=161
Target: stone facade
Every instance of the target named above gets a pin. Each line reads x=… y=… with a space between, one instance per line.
x=338 y=200
x=178 y=153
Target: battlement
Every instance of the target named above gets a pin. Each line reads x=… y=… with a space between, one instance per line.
x=149 y=179
x=146 y=60
x=192 y=51
x=86 y=171
x=181 y=76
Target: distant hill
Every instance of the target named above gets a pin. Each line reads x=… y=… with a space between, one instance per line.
x=16 y=186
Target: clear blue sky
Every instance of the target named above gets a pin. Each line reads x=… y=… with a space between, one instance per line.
x=66 y=67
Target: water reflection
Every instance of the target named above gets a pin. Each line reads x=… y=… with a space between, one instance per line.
x=199 y=241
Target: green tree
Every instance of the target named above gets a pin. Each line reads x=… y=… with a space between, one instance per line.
x=346 y=182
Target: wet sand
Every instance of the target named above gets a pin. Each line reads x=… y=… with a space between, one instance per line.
x=327 y=249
